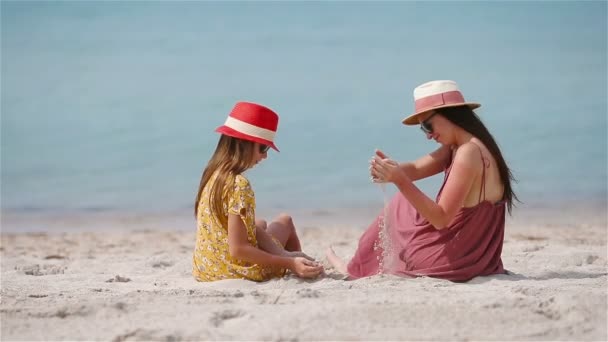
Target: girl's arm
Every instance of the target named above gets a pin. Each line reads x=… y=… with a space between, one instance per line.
x=465 y=168
x=240 y=247
x=266 y=243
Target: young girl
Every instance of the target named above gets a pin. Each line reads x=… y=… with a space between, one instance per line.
x=459 y=235
x=230 y=243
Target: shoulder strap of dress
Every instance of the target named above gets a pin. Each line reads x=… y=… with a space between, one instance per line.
x=482 y=189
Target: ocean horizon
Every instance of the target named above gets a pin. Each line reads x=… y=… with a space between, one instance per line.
x=108 y=109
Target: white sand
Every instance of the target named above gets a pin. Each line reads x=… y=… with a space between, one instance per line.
x=56 y=287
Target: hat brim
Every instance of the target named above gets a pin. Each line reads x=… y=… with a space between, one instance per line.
x=236 y=134
x=413 y=119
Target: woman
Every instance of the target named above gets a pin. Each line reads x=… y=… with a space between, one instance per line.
x=459 y=235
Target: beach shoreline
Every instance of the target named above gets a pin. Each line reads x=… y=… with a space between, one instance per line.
x=556 y=213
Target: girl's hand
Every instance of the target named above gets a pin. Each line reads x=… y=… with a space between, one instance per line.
x=298 y=254
x=383 y=169
x=305 y=268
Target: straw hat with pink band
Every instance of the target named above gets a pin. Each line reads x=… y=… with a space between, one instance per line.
x=434 y=95
x=252 y=122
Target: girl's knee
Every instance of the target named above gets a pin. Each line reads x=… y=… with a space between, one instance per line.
x=285 y=219
x=261 y=223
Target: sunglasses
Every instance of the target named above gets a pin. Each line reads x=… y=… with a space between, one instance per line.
x=264 y=148
x=426 y=126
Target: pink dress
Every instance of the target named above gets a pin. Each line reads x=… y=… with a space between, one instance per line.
x=471 y=246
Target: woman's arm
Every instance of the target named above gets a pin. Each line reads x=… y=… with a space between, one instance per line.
x=428 y=165
x=425 y=166
x=465 y=168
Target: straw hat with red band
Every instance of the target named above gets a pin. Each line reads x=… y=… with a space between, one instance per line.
x=434 y=95
x=253 y=122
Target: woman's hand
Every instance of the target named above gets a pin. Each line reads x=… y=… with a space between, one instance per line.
x=383 y=169
x=305 y=268
x=373 y=175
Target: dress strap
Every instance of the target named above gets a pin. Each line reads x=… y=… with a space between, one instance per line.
x=482 y=189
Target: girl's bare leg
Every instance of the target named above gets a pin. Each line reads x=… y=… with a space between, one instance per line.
x=337 y=263
x=261 y=224
x=284 y=230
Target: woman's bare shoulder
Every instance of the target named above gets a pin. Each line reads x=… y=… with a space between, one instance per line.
x=468 y=154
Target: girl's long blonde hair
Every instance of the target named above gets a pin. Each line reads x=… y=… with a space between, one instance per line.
x=232 y=157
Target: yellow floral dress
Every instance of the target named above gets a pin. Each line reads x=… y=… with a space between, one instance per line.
x=212 y=259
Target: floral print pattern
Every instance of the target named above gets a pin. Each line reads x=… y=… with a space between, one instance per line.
x=212 y=260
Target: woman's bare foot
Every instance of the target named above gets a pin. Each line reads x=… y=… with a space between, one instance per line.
x=335 y=261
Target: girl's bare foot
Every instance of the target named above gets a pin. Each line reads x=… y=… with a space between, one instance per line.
x=335 y=261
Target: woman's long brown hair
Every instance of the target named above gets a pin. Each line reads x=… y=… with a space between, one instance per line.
x=465 y=118
x=232 y=157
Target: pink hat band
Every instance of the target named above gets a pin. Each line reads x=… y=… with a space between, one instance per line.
x=433 y=101
x=435 y=95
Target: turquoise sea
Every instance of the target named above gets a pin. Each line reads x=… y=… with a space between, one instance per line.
x=110 y=107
